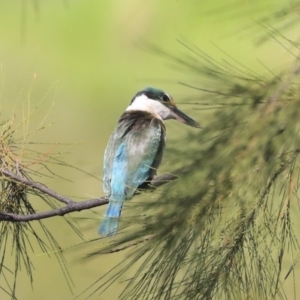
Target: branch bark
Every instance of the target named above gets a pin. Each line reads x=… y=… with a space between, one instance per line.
x=70 y=205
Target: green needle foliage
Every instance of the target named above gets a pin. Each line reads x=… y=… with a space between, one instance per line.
x=18 y=240
x=223 y=229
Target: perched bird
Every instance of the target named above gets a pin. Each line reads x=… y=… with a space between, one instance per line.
x=135 y=149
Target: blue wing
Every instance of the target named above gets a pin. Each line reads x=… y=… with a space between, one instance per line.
x=133 y=153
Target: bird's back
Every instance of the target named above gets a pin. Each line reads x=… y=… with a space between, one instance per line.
x=133 y=153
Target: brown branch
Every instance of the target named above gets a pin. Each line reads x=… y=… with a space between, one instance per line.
x=71 y=205
x=38 y=186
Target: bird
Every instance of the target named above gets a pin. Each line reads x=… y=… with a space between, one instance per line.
x=135 y=150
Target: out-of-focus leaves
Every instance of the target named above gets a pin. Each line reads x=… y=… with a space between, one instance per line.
x=221 y=230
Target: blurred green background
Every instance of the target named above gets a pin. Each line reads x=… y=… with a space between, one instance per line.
x=80 y=63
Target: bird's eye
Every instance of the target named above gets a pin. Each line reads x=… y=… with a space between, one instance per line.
x=166 y=98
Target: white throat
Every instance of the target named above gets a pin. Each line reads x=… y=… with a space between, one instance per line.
x=154 y=107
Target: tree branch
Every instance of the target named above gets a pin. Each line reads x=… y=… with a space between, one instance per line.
x=38 y=186
x=71 y=205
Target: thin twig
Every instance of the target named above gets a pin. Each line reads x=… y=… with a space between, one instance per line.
x=71 y=207
x=147 y=238
x=38 y=186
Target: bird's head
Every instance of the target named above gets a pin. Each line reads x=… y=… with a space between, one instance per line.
x=160 y=104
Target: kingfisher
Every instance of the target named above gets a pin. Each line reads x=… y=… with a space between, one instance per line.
x=135 y=149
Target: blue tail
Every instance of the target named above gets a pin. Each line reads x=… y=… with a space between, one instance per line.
x=109 y=225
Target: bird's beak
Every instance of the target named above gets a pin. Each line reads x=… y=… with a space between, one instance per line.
x=183 y=118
